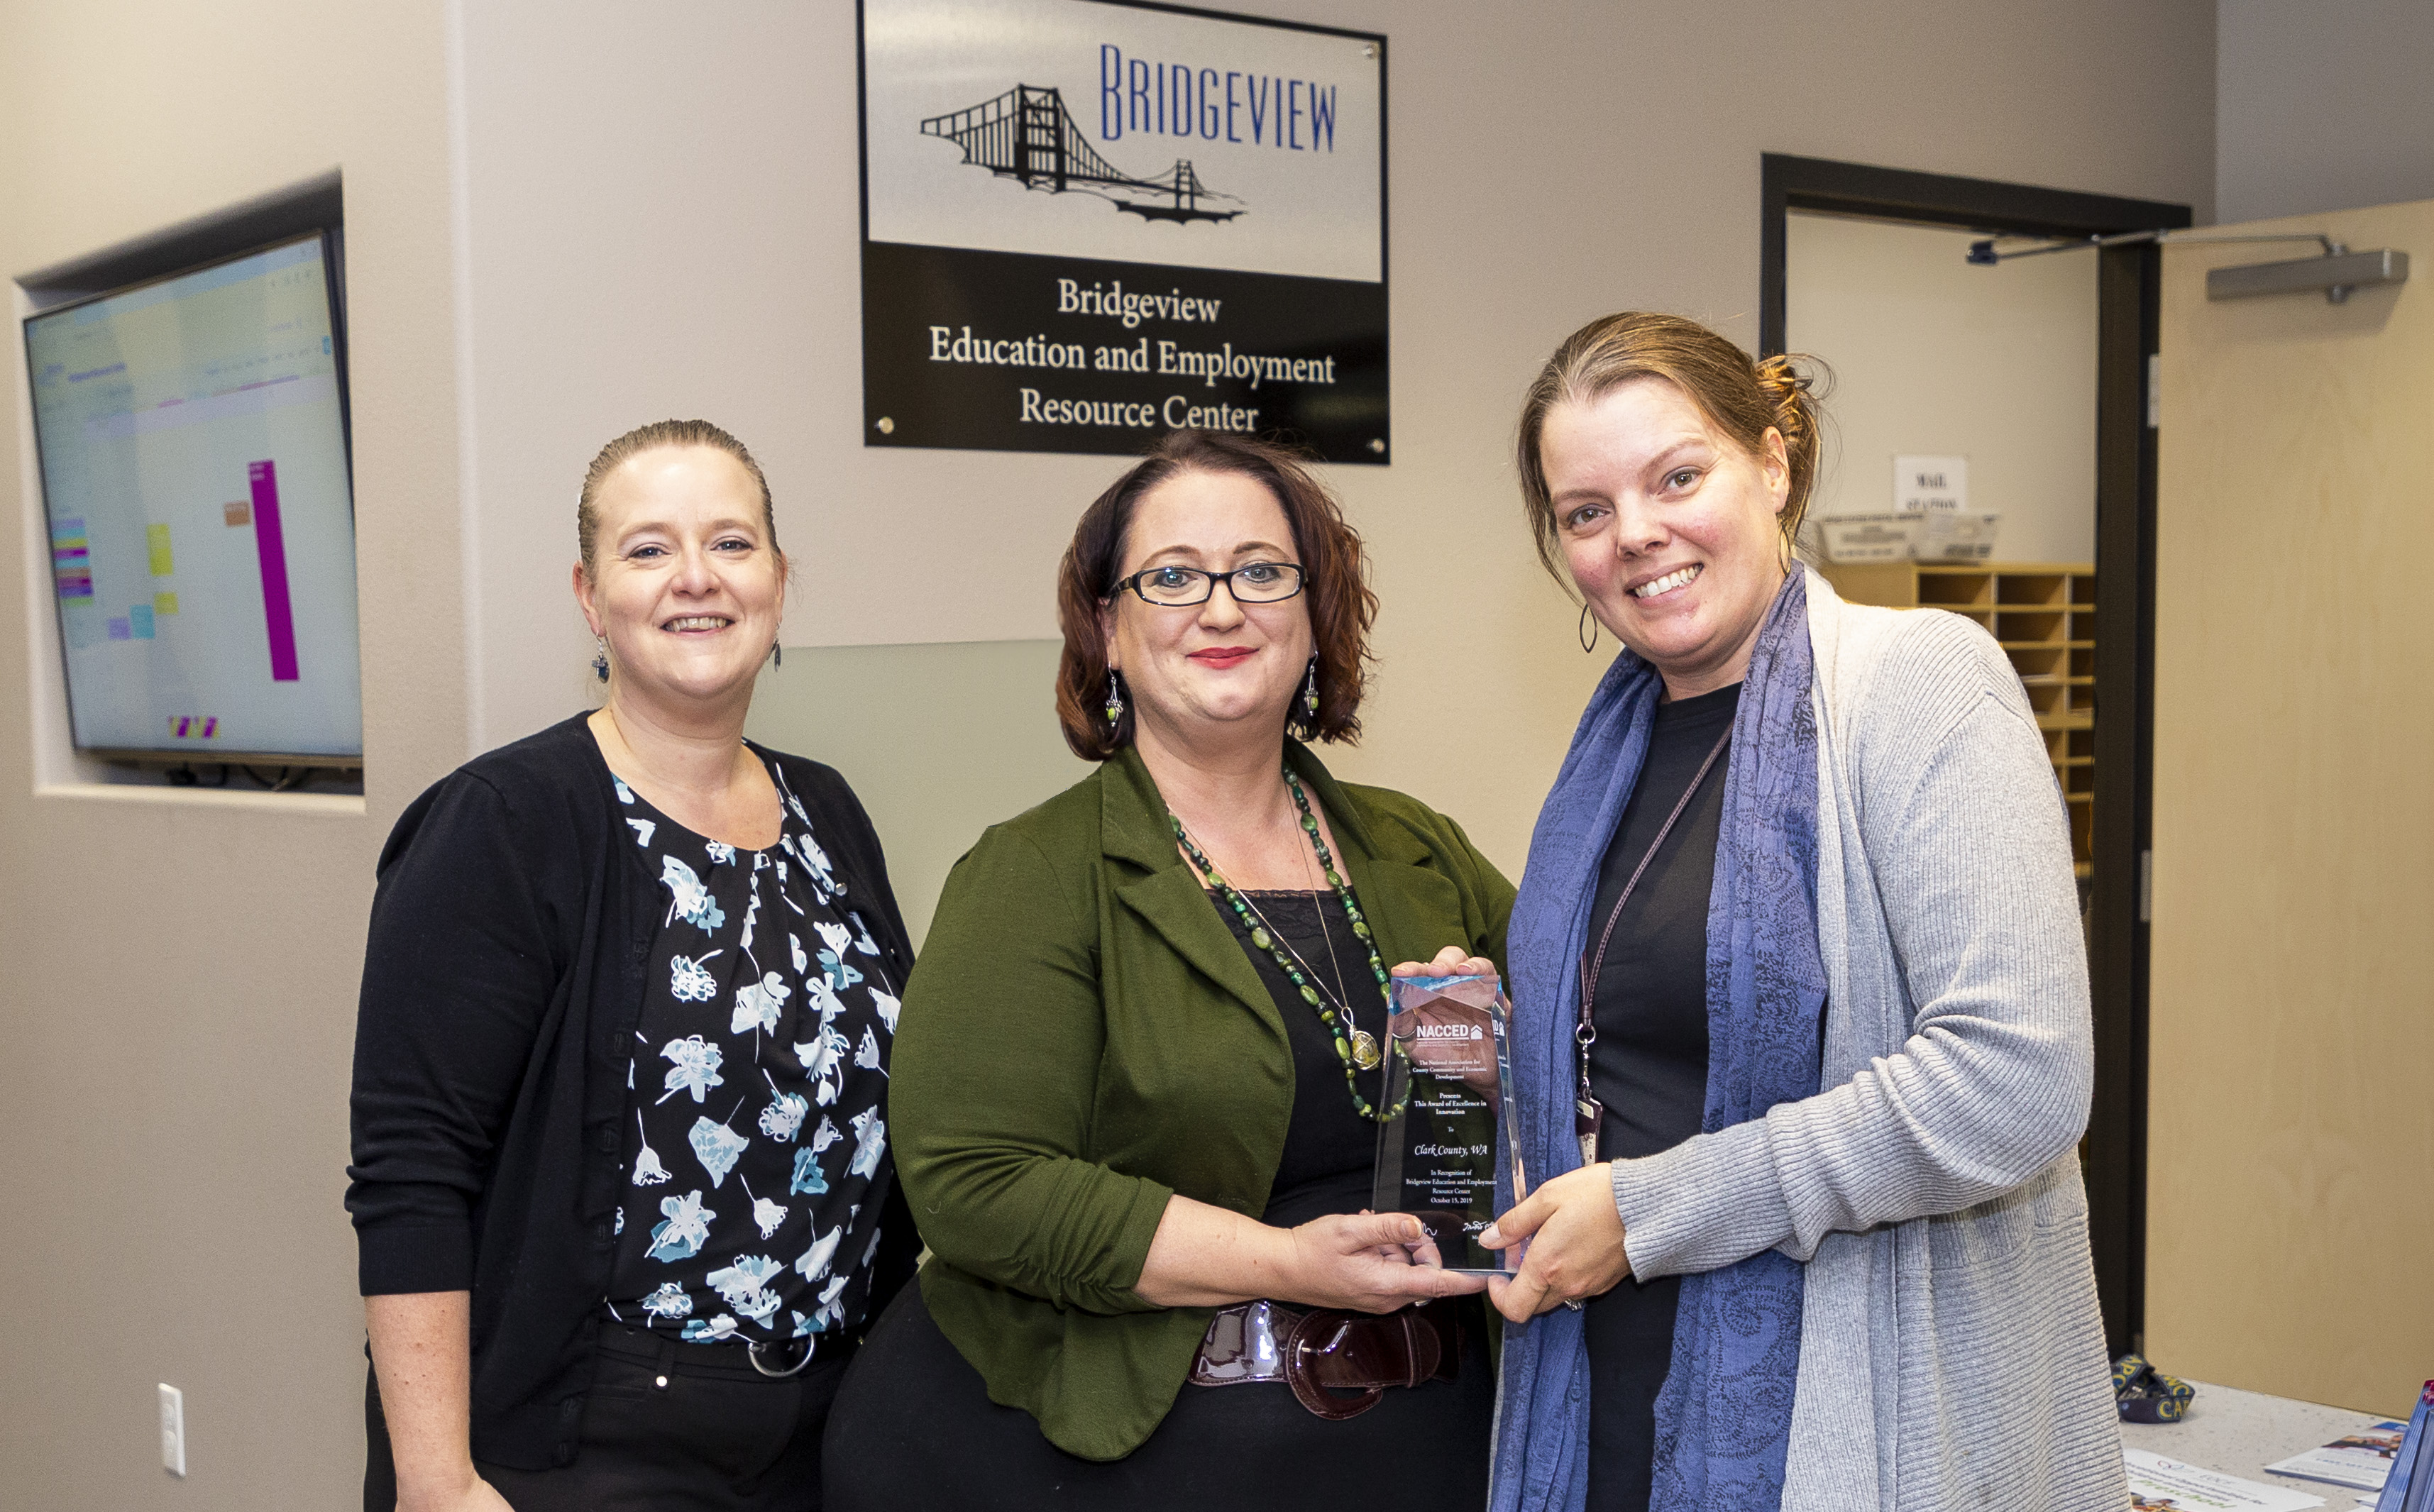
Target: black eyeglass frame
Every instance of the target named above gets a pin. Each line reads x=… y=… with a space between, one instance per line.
x=1301 y=581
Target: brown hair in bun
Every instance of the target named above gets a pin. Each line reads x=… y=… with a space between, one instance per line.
x=1740 y=397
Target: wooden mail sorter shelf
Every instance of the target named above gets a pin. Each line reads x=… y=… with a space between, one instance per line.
x=2044 y=617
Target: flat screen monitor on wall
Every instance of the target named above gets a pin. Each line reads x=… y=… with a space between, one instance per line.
x=192 y=434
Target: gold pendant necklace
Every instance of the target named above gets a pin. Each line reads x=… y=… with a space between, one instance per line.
x=1364 y=1050
x=1363 y=1045
x=1295 y=970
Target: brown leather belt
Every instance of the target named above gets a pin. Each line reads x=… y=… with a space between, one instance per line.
x=1320 y=1352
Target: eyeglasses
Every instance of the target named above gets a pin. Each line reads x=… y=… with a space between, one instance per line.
x=1254 y=582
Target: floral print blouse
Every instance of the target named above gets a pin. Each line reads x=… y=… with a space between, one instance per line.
x=757 y=1090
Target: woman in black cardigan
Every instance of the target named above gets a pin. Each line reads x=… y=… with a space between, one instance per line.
x=621 y=1182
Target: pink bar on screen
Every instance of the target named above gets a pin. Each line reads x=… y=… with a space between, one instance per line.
x=278 y=613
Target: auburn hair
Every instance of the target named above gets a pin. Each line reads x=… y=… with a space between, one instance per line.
x=1334 y=581
x=1740 y=397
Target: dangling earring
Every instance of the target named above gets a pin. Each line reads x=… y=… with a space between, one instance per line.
x=777 y=653
x=1115 y=698
x=600 y=660
x=1587 y=631
x=1309 y=692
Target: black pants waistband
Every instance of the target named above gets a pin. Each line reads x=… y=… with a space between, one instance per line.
x=721 y=1356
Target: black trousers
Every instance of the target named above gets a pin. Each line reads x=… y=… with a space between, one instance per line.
x=914 y=1429
x=1630 y=1332
x=666 y=1427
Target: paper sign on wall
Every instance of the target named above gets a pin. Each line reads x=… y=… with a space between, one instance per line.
x=1925 y=483
x=1086 y=224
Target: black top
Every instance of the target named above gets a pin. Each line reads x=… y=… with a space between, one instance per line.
x=503 y=976
x=1330 y=1151
x=757 y=1121
x=1650 y=1064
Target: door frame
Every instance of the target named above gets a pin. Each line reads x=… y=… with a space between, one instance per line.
x=2129 y=285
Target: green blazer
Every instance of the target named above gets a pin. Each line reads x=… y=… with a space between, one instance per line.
x=1083 y=1037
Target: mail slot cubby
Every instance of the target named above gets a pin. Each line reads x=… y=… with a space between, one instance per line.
x=1942 y=588
x=2043 y=615
x=2044 y=589
x=2032 y=626
x=2039 y=662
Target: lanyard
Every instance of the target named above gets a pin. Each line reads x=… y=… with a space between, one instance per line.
x=1588 y=1113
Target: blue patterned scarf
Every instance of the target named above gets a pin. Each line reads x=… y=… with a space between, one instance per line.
x=1723 y=1418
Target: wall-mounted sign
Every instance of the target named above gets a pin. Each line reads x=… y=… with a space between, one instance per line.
x=1930 y=483
x=1087 y=223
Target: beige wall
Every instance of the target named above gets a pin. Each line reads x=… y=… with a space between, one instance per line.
x=1933 y=355
x=1537 y=181
x=2322 y=107
x=657 y=216
x=175 y=996
x=947 y=739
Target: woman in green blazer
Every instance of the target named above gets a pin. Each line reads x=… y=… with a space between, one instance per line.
x=1136 y=1078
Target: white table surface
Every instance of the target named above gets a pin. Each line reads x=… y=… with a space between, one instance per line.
x=2240 y=1433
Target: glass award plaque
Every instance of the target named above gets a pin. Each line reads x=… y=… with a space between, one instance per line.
x=1449 y=1067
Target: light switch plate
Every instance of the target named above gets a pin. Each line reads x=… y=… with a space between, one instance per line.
x=173 y=1429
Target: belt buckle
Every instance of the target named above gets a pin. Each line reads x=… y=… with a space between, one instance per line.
x=1328 y=1343
x=1244 y=1344
x=752 y=1352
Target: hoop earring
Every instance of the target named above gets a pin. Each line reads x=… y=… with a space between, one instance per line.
x=600 y=659
x=1587 y=631
x=1309 y=693
x=1115 y=698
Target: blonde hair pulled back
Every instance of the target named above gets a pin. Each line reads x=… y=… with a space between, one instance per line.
x=1740 y=397
x=651 y=437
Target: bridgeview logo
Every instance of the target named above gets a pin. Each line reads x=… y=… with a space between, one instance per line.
x=1026 y=134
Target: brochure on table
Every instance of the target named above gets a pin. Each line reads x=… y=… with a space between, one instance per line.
x=2361 y=1460
x=2158 y=1483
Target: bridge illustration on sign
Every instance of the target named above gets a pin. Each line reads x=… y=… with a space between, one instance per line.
x=1025 y=135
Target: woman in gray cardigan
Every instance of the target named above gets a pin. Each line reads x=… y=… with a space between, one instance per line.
x=1803 y=1036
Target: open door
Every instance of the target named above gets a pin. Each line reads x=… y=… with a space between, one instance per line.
x=2290 y=1165
x=2113 y=818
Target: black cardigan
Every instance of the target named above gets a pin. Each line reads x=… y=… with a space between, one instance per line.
x=494 y=1037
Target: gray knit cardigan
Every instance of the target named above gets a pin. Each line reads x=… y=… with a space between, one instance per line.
x=1950 y=1352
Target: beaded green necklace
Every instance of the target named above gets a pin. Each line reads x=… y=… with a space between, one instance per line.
x=1260 y=937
